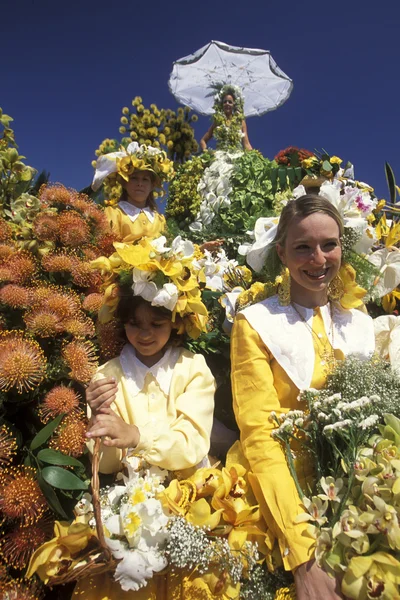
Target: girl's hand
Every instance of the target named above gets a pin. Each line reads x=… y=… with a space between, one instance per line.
x=101 y=394
x=120 y=434
x=313 y=583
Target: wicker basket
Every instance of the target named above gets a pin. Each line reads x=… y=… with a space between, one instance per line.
x=98 y=558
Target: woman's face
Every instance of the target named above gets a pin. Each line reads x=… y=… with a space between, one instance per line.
x=138 y=188
x=228 y=104
x=312 y=253
x=148 y=333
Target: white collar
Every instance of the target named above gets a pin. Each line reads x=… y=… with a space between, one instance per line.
x=135 y=371
x=291 y=342
x=133 y=211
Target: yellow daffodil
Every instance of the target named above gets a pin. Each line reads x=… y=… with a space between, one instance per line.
x=335 y=160
x=353 y=293
x=308 y=163
x=69 y=540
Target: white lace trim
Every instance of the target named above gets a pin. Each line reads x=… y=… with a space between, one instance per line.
x=133 y=212
x=135 y=371
x=290 y=340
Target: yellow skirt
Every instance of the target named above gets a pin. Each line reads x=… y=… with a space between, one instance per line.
x=172 y=586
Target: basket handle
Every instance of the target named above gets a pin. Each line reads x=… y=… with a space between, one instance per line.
x=96 y=497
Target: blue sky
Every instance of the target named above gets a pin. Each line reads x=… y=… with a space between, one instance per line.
x=68 y=69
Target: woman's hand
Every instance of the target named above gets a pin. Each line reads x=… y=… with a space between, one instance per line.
x=313 y=583
x=101 y=394
x=109 y=424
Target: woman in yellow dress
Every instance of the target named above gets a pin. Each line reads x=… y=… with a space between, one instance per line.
x=280 y=346
x=130 y=177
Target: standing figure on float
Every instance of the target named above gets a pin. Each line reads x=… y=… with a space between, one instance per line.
x=229 y=126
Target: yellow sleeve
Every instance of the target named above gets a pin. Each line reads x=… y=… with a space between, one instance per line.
x=184 y=441
x=254 y=397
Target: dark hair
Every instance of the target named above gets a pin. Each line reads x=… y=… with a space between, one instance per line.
x=303 y=207
x=128 y=304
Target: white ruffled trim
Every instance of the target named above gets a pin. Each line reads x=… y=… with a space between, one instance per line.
x=135 y=371
x=290 y=340
x=133 y=212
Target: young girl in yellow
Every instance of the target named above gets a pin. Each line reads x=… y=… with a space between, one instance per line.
x=157 y=399
x=138 y=170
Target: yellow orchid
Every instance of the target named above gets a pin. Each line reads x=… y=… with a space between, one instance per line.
x=353 y=293
x=206 y=481
x=138 y=255
x=213 y=584
x=200 y=514
x=389 y=301
x=64 y=548
x=174 y=499
x=374 y=576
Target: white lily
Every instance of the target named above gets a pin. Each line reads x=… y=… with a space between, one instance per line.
x=264 y=233
x=142 y=284
x=387 y=338
x=367 y=234
x=387 y=260
x=167 y=296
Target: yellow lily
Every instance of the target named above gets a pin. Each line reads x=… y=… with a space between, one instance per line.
x=353 y=293
x=69 y=540
x=377 y=575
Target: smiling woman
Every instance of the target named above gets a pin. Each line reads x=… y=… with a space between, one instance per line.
x=284 y=344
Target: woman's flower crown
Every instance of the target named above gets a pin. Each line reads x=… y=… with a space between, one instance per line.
x=133 y=158
x=164 y=276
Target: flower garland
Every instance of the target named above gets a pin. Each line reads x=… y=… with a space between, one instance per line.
x=228 y=132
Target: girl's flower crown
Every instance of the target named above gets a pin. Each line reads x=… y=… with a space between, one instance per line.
x=164 y=276
x=133 y=158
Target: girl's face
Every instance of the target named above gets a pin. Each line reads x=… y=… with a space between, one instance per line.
x=312 y=253
x=227 y=104
x=148 y=333
x=138 y=188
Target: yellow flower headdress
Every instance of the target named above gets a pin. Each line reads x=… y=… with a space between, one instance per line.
x=164 y=276
x=133 y=158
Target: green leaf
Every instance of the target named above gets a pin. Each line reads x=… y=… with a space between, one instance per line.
x=53 y=457
x=51 y=497
x=43 y=435
x=391 y=182
x=62 y=479
x=326 y=165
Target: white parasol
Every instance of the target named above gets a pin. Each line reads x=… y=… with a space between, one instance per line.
x=264 y=85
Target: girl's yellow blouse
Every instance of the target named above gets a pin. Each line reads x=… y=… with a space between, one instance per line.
x=260 y=385
x=130 y=231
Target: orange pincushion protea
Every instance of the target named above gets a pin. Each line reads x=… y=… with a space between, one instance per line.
x=6 y=274
x=18 y=544
x=5 y=230
x=64 y=304
x=80 y=328
x=74 y=231
x=57 y=401
x=6 y=251
x=22 y=589
x=84 y=276
x=56 y=195
x=23 y=267
x=81 y=359
x=8 y=446
x=45 y=226
x=43 y=322
x=93 y=302
x=15 y=296
x=105 y=244
x=20 y=495
x=22 y=362
x=90 y=252
x=69 y=437
x=58 y=262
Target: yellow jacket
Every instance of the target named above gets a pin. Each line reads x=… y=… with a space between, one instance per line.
x=130 y=231
x=174 y=427
x=261 y=385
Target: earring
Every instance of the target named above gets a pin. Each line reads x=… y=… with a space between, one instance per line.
x=284 y=287
x=335 y=289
